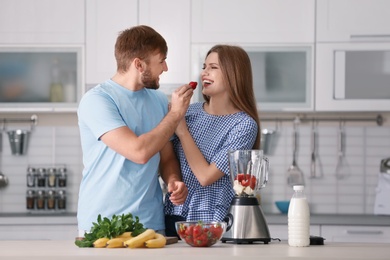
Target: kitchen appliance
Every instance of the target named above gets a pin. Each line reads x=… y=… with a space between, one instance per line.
x=245 y=221
x=382 y=201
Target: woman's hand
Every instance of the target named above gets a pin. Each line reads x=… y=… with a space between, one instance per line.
x=178 y=192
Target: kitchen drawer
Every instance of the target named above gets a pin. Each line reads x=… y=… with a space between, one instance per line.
x=356 y=234
x=281 y=231
x=38 y=232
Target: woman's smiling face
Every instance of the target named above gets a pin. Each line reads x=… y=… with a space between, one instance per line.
x=212 y=77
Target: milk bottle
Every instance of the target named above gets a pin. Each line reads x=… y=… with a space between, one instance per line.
x=299 y=219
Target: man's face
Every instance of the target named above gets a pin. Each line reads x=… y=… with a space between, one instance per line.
x=157 y=65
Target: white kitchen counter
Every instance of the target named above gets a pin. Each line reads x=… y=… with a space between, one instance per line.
x=70 y=218
x=274 y=250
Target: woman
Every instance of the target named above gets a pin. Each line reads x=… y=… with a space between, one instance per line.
x=227 y=120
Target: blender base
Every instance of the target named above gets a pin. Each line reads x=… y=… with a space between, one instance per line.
x=245 y=240
x=246 y=223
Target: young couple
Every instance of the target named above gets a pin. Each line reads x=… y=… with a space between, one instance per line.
x=126 y=134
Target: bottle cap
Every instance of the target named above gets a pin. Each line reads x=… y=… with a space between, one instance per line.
x=298 y=187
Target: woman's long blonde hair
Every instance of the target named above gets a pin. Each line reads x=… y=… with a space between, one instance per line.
x=237 y=72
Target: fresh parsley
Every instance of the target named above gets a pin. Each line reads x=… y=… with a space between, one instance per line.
x=110 y=228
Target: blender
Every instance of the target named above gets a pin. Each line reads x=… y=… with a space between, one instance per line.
x=245 y=220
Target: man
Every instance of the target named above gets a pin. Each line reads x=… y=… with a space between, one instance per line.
x=125 y=128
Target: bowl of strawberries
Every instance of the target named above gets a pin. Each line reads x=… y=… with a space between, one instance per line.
x=200 y=233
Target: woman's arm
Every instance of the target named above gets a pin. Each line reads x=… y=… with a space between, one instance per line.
x=205 y=173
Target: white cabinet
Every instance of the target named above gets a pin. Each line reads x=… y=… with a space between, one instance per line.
x=42 y=22
x=38 y=232
x=41 y=79
x=253 y=21
x=172 y=20
x=104 y=20
x=281 y=231
x=356 y=234
x=352 y=20
x=352 y=77
x=282 y=74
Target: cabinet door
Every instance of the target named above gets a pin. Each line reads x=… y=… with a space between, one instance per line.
x=356 y=234
x=352 y=77
x=105 y=19
x=282 y=75
x=248 y=21
x=41 y=79
x=38 y=232
x=174 y=26
x=42 y=21
x=353 y=20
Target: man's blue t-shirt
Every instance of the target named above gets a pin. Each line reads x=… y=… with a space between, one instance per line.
x=112 y=184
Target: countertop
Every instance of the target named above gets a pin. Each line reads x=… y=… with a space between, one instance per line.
x=272 y=219
x=274 y=250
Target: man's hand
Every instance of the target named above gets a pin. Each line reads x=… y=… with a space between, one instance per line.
x=178 y=192
x=180 y=100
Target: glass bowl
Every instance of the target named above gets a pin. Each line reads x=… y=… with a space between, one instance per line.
x=200 y=233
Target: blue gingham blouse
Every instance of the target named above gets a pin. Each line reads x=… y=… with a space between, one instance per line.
x=215 y=136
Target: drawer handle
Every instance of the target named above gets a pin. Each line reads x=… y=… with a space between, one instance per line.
x=364 y=232
x=356 y=36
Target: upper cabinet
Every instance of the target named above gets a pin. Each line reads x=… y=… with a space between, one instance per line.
x=42 y=22
x=282 y=74
x=171 y=19
x=353 y=77
x=352 y=55
x=253 y=21
x=105 y=19
x=353 y=20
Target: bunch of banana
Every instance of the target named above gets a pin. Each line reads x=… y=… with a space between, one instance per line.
x=148 y=238
x=115 y=242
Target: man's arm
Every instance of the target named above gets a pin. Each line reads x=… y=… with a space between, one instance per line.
x=171 y=175
x=140 y=149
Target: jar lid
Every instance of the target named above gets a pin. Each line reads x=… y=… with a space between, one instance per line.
x=41 y=192
x=31 y=170
x=30 y=192
x=51 y=192
x=61 y=192
x=41 y=171
x=52 y=170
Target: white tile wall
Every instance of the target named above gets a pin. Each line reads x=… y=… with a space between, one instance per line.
x=47 y=146
x=366 y=146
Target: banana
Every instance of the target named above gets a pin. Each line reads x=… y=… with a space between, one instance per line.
x=157 y=242
x=139 y=240
x=101 y=242
x=125 y=235
x=116 y=242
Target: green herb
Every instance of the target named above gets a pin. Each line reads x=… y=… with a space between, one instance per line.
x=110 y=228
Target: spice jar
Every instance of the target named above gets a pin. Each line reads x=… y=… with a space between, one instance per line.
x=62 y=177
x=51 y=177
x=30 y=199
x=41 y=177
x=41 y=199
x=31 y=174
x=61 y=200
x=51 y=199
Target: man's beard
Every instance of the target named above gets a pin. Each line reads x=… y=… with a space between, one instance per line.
x=149 y=81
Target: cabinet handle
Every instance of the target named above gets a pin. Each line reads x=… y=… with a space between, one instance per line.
x=357 y=36
x=364 y=232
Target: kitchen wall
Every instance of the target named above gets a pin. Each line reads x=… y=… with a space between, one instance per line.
x=55 y=140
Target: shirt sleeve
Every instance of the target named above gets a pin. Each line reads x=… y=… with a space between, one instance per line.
x=242 y=136
x=99 y=113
